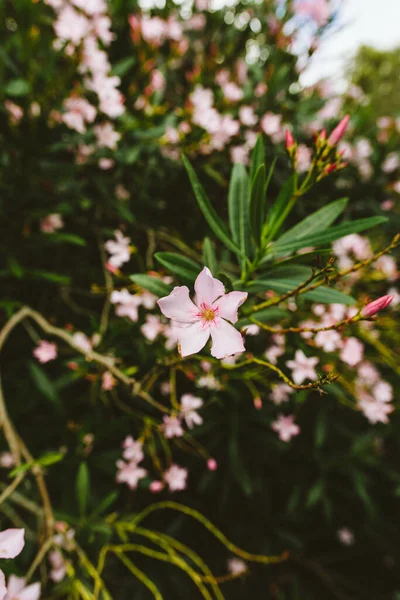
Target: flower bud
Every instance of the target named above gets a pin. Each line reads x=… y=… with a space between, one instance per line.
x=212 y=464
x=373 y=307
x=289 y=140
x=156 y=486
x=338 y=132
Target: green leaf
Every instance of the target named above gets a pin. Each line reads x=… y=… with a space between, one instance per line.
x=17 y=88
x=185 y=268
x=49 y=458
x=68 y=238
x=315 y=494
x=209 y=258
x=238 y=208
x=280 y=209
x=48 y=276
x=151 y=284
x=216 y=224
x=123 y=66
x=282 y=285
x=265 y=316
x=317 y=221
x=327 y=236
x=43 y=383
x=327 y=295
x=257 y=204
x=257 y=157
x=82 y=486
x=104 y=504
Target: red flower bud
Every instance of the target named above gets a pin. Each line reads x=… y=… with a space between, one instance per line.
x=373 y=307
x=290 y=143
x=338 y=132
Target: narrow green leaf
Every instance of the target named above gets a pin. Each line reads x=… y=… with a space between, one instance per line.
x=268 y=315
x=67 y=238
x=17 y=88
x=151 y=284
x=82 y=486
x=238 y=204
x=185 y=268
x=209 y=258
x=50 y=458
x=105 y=503
x=43 y=383
x=327 y=236
x=317 y=221
x=322 y=294
x=257 y=157
x=327 y=295
x=315 y=494
x=122 y=67
x=257 y=204
x=216 y=224
x=48 y=276
x=280 y=210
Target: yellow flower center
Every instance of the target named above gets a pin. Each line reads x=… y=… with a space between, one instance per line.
x=208 y=314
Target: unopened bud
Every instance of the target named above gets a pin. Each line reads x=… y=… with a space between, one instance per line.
x=374 y=307
x=338 y=132
x=289 y=140
x=212 y=464
x=257 y=403
x=156 y=486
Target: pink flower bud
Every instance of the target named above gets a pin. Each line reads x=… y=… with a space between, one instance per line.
x=257 y=403
x=373 y=307
x=212 y=464
x=338 y=132
x=289 y=140
x=156 y=486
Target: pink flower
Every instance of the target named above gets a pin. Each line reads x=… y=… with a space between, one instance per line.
x=119 y=249
x=106 y=136
x=236 y=566
x=280 y=393
x=58 y=564
x=189 y=404
x=172 y=427
x=130 y=473
x=208 y=316
x=11 y=542
x=45 y=351
x=345 y=536
x=133 y=450
x=374 y=307
x=3 y=588
x=212 y=464
x=374 y=410
x=318 y=10
x=82 y=342
x=107 y=381
x=285 y=427
x=156 y=486
x=106 y=163
x=352 y=352
x=51 y=223
x=303 y=367
x=7 y=460
x=127 y=304
x=338 y=132
x=16 y=113
x=71 y=25
x=247 y=116
x=175 y=477
x=152 y=327
x=16 y=589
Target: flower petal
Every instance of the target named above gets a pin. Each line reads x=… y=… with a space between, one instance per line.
x=3 y=589
x=32 y=592
x=192 y=339
x=226 y=340
x=228 y=305
x=11 y=542
x=178 y=306
x=14 y=585
x=207 y=288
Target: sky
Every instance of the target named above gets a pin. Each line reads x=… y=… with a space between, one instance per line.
x=372 y=22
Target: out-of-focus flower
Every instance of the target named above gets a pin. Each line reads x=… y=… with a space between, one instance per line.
x=352 y=352
x=212 y=464
x=280 y=393
x=118 y=249
x=345 y=536
x=236 y=566
x=175 y=477
x=107 y=381
x=133 y=450
x=18 y=590
x=58 y=566
x=11 y=542
x=172 y=427
x=82 y=342
x=285 y=427
x=130 y=473
x=189 y=405
x=45 y=351
x=51 y=223
x=106 y=136
x=126 y=304
x=7 y=460
x=208 y=316
x=303 y=367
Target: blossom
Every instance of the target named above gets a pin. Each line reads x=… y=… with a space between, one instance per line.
x=247 y=116
x=373 y=307
x=285 y=427
x=208 y=316
x=16 y=113
x=280 y=393
x=156 y=486
x=172 y=427
x=189 y=404
x=45 y=351
x=303 y=367
x=338 y=132
x=133 y=450
x=130 y=473
x=78 y=112
x=352 y=352
x=71 y=25
x=345 y=536
x=152 y=327
x=375 y=411
x=51 y=223
x=127 y=304
x=11 y=542
x=7 y=460
x=58 y=564
x=175 y=477
x=106 y=136
x=212 y=464
x=107 y=381
x=236 y=566
x=118 y=249
x=17 y=590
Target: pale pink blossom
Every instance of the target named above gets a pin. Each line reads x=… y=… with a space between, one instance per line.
x=156 y=486
x=352 y=351
x=126 y=304
x=45 y=351
x=285 y=427
x=303 y=367
x=172 y=426
x=303 y=158
x=395 y=295
x=11 y=542
x=240 y=154
x=91 y=7
x=119 y=249
x=157 y=80
x=260 y=89
x=18 y=590
x=318 y=10
x=345 y=536
x=175 y=477
x=329 y=340
x=107 y=381
x=280 y=393
x=165 y=388
x=3 y=588
x=271 y=124
x=273 y=353
x=154 y=30
x=7 y=460
x=51 y=223
x=247 y=116
x=232 y=92
x=208 y=316
x=236 y=566
x=71 y=25
x=383 y=391
x=129 y=473
x=367 y=373
x=133 y=450
x=391 y=163
x=209 y=382
x=388 y=266
x=121 y=192
x=152 y=327
x=82 y=342
x=78 y=112
x=106 y=136
x=106 y=163
x=189 y=405
x=58 y=566
x=375 y=411
x=252 y=329
x=16 y=113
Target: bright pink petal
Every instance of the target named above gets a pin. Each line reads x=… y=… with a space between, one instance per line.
x=178 y=306
x=11 y=542
x=228 y=305
x=3 y=589
x=226 y=340
x=192 y=339
x=32 y=592
x=207 y=288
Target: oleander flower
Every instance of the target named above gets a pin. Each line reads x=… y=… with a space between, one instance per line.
x=195 y=322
